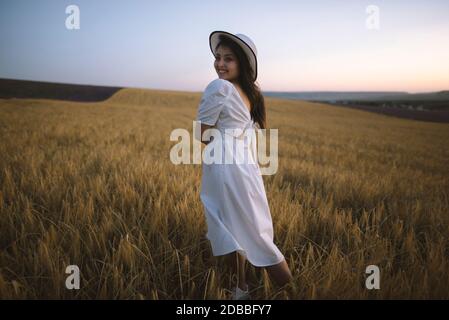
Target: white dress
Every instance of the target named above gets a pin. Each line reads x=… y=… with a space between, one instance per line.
x=233 y=195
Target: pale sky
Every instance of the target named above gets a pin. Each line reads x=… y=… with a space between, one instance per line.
x=302 y=45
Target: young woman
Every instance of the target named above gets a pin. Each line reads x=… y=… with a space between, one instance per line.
x=233 y=195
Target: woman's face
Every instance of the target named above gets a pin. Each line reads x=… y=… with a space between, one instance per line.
x=226 y=64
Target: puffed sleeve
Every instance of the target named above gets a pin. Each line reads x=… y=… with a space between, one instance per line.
x=212 y=101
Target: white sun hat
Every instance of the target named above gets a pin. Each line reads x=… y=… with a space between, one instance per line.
x=243 y=41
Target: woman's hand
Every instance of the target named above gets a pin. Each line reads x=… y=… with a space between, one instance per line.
x=204 y=127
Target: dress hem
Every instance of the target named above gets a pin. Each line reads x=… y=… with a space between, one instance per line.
x=246 y=256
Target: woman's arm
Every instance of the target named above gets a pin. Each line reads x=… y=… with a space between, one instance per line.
x=204 y=127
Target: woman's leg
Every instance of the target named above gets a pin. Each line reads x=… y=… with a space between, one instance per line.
x=280 y=273
x=237 y=265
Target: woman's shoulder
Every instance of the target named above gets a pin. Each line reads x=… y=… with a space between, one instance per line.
x=219 y=87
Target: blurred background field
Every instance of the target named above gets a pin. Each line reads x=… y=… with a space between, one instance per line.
x=91 y=184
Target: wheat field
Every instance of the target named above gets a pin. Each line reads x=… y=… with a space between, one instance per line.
x=92 y=185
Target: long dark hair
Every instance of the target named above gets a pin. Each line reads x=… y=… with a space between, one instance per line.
x=245 y=79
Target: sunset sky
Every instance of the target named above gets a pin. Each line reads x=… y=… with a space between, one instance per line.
x=302 y=45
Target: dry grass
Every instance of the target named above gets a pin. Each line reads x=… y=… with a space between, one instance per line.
x=91 y=184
